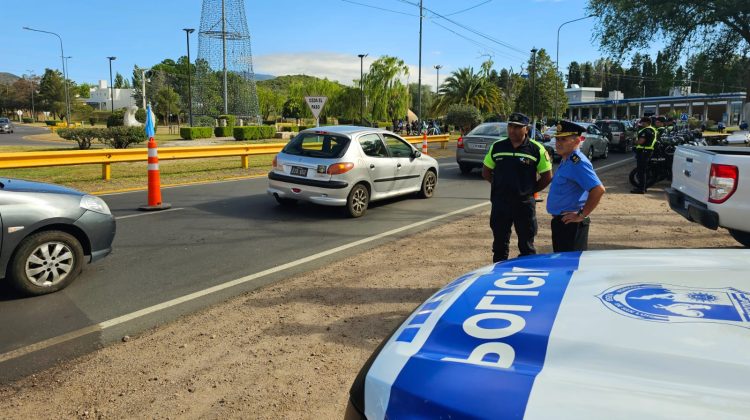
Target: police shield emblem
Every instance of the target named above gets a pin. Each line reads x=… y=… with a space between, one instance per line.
x=670 y=303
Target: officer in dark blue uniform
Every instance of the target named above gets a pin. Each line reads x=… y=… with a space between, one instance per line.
x=517 y=167
x=575 y=191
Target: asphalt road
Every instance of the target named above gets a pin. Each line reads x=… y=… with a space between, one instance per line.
x=214 y=234
x=19 y=131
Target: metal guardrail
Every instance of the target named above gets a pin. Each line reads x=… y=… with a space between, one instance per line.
x=106 y=157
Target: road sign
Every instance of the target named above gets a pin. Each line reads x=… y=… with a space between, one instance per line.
x=684 y=117
x=316 y=104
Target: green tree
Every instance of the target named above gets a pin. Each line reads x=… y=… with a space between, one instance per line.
x=167 y=103
x=574 y=73
x=720 y=29
x=549 y=86
x=270 y=102
x=463 y=116
x=121 y=82
x=465 y=87
x=387 y=97
x=52 y=93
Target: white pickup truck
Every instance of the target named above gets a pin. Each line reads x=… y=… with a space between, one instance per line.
x=711 y=186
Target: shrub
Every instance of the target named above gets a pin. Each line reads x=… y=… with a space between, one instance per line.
x=83 y=136
x=122 y=137
x=203 y=121
x=465 y=117
x=192 y=133
x=254 y=132
x=231 y=119
x=116 y=119
x=223 y=131
x=51 y=123
x=28 y=120
x=140 y=115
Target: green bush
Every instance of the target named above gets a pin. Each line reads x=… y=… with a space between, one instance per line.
x=122 y=137
x=203 y=121
x=28 y=120
x=140 y=115
x=51 y=123
x=192 y=133
x=254 y=132
x=465 y=117
x=301 y=127
x=116 y=119
x=223 y=131
x=83 y=136
x=231 y=119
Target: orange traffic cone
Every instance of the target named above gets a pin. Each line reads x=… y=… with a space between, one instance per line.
x=154 y=183
x=538 y=198
x=424 y=143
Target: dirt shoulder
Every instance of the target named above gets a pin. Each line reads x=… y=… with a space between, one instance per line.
x=291 y=350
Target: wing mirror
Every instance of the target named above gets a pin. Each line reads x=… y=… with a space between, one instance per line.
x=416 y=154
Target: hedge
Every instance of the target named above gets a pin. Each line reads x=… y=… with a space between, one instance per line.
x=114 y=137
x=192 y=133
x=254 y=132
x=28 y=120
x=51 y=123
x=223 y=131
x=230 y=119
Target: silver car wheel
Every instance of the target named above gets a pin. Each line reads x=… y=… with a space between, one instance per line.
x=359 y=200
x=49 y=264
x=428 y=184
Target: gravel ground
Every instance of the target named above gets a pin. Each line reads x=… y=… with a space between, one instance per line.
x=291 y=350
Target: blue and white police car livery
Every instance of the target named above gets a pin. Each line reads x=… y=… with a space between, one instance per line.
x=593 y=335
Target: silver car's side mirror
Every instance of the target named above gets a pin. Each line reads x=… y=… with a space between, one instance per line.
x=416 y=154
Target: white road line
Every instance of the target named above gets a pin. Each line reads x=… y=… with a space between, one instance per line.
x=130 y=216
x=620 y=163
x=41 y=345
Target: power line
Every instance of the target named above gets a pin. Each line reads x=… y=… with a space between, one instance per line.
x=379 y=8
x=469 y=8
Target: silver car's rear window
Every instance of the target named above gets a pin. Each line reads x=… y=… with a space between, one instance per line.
x=494 y=130
x=318 y=145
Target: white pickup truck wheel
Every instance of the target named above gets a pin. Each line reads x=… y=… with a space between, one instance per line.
x=741 y=237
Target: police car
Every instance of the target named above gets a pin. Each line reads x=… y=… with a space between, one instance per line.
x=605 y=334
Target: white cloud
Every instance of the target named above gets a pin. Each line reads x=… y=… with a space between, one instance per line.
x=343 y=68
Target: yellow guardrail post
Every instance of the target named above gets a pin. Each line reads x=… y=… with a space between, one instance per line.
x=106 y=171
x=245 y=161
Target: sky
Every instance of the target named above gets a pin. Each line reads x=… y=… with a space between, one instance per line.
x=314 y=37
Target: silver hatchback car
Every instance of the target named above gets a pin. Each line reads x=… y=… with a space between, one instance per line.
x=349 y=166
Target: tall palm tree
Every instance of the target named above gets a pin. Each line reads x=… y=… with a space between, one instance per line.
x=469 y=88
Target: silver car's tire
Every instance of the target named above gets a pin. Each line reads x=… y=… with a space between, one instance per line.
x=358 y=200
x=606 y=151
x=46 y=262
x=428 y=185
x=590 y=154
x=285 y=202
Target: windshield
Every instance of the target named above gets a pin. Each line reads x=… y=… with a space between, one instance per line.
x=4 y=120
x=494 y=130
x=319 y=145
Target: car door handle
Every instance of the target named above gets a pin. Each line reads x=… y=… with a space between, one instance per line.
x=398 y=165
x=372 y=166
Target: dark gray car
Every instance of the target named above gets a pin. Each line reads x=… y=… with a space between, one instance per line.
x=6 y=125
x=48 y=233
x=473 y=146
x=621 y=134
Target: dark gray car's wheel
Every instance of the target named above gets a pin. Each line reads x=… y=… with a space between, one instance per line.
x=464 y=168
x=428 y=185
x=741 y=237
x=46 y=262
x=357 y=201
x=590 y=154
x=606 y=151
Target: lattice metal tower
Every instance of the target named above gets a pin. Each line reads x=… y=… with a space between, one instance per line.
x=225 y=81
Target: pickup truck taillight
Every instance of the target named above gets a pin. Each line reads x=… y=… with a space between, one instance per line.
x=722 y=182
x=460 y=144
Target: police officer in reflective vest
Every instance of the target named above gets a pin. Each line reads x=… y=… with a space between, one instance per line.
x=660 y=123
x=644 y=148
x=511 y=166
x=575 y=191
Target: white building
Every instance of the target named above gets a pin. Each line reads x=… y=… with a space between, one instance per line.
x=99 y=97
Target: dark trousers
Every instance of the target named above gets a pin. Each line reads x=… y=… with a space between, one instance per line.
x=519 y=212
x=642 y=158
x=571 y=236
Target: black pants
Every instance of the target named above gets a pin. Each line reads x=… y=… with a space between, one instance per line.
x=513 y=211
x=642 y=157
x=571 y=236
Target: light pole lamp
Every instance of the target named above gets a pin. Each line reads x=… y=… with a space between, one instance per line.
x=65 y=74
x=189 y=31
x=111 y=85
x=437 y=85
x=361 y=89
x=557 y=55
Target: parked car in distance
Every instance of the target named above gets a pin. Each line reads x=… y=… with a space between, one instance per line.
x=349 y=166
x=48 y=233
x=472 y=147
x=595 y=143
x=625 y=334
x=6 y=125
x=621 y=134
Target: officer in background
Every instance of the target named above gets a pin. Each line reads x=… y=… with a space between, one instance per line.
x=511 y=166
x=575 y=191
x=644 y=148
x=660 y=124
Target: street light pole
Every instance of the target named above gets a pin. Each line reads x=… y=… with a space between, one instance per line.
x=533 y=85
x=31 y=79
x=111 y=85
x=361 y=89
x=557 y=55
x=65 y=75
x=437 y=85
x=419 y=90
x=189 y=31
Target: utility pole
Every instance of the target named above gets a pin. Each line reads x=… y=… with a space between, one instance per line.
x=419 y=91
x=361 y=89
x=533 y=85
x=111 y=85
x=224 y=52
x=33 y=88
x=189 y=31
x=437 y=85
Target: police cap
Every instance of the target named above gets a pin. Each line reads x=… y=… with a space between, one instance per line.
x=567 y=128
x=661 y=118
x=646 y=119
x=517 y=118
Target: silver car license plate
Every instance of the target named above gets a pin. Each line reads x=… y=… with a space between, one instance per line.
x=298 y=170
